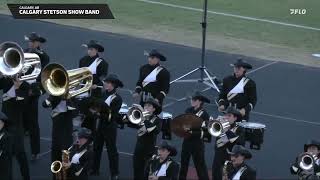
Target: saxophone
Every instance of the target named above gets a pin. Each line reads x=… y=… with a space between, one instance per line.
x=57 y=166
x=225 y=170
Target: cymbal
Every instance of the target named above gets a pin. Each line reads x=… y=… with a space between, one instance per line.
x=181 y=122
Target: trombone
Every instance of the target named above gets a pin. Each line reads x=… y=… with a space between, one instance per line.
x=218 y=127
x=58 y=81
x=13 y=61
x=137 y=115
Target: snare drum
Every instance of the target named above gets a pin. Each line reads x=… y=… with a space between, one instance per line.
x=253 y=133
x=165 y=125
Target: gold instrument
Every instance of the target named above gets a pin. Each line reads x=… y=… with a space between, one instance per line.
x=13 y=61
x=219 y=126
x=225 y=170
x=58 y=81
x=57 y=166
x=306 y=161
x=137 y=115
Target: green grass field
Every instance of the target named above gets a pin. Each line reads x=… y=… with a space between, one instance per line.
x=152 y=17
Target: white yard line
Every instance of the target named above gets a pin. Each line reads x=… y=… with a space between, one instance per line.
x=233 y=15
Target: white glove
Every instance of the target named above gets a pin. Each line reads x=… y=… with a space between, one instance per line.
x=142 y=131
x=222 y=141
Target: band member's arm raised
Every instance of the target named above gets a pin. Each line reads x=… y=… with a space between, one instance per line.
x=164 y=81
x=251 y=91
x=22 y=90
x=152 y=126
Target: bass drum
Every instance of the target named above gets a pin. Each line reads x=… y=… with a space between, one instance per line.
x=254 y=133
x=166 y=118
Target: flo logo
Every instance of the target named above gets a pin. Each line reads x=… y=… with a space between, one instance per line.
x=298 y=11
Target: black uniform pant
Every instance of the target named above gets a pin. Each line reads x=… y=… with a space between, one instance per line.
x=13 y=110
x=62 y=130
x=194 y=148
x=20 y=154
x=220 y=157
x=142 y=153
x=107 y=135
x=31 y=123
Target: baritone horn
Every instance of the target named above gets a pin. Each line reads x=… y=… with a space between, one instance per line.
x=306 y=161
x=218 y=127
x=13 y=61
x=58 y=81
x=136 y=114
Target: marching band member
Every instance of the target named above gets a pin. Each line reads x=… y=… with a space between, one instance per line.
x=311 y=148
x=99 y=68
x=224 y=143
x=30 y=113
x=62 y=126
x=14 y=93
x=238 y=90
x=162 y=166
x=5 y=149
x=194 y=145
x=154 y=79
x=239 y=170
x=147 y=138
x=81 y=156
x=106 y=126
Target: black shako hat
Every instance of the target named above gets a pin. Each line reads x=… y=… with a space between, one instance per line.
x=34 y=37
x=4 y=117
x=170 y=148
x=114 y=80
x=84 y=133
x=238 y=149
x=234 y=111
x=198 y=96
x=242 y=63
x=311 y=143
x=157 y=54
x=94 y=44
x=155 y=104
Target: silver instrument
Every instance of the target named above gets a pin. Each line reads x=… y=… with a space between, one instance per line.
x=137 y=115
x=306 y=161
x=218 y=127
x=13 y=61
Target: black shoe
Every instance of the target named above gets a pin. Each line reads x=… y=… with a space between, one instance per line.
x=94 y=173
x=116 y=177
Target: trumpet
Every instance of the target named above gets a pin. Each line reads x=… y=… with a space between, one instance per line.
x=137 y=115
x=58 y=81
x=218 y=127
x=306 y=161
x=13 y=61
x=57 y=166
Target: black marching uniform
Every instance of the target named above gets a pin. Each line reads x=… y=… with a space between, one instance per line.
x=154 y=167
x=154 y=81
x=106 y=132
x=145 y=145
x=194 y=146
x=62 y=126
x=235 y=135
x=6 y=145
x=100 y=66
x=239 y=92
x=81 y=161
x=12 y=106
x=313 y=174
x=30 y=113
x=243 y=172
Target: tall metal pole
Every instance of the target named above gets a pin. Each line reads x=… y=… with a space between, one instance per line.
x=204 y=31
